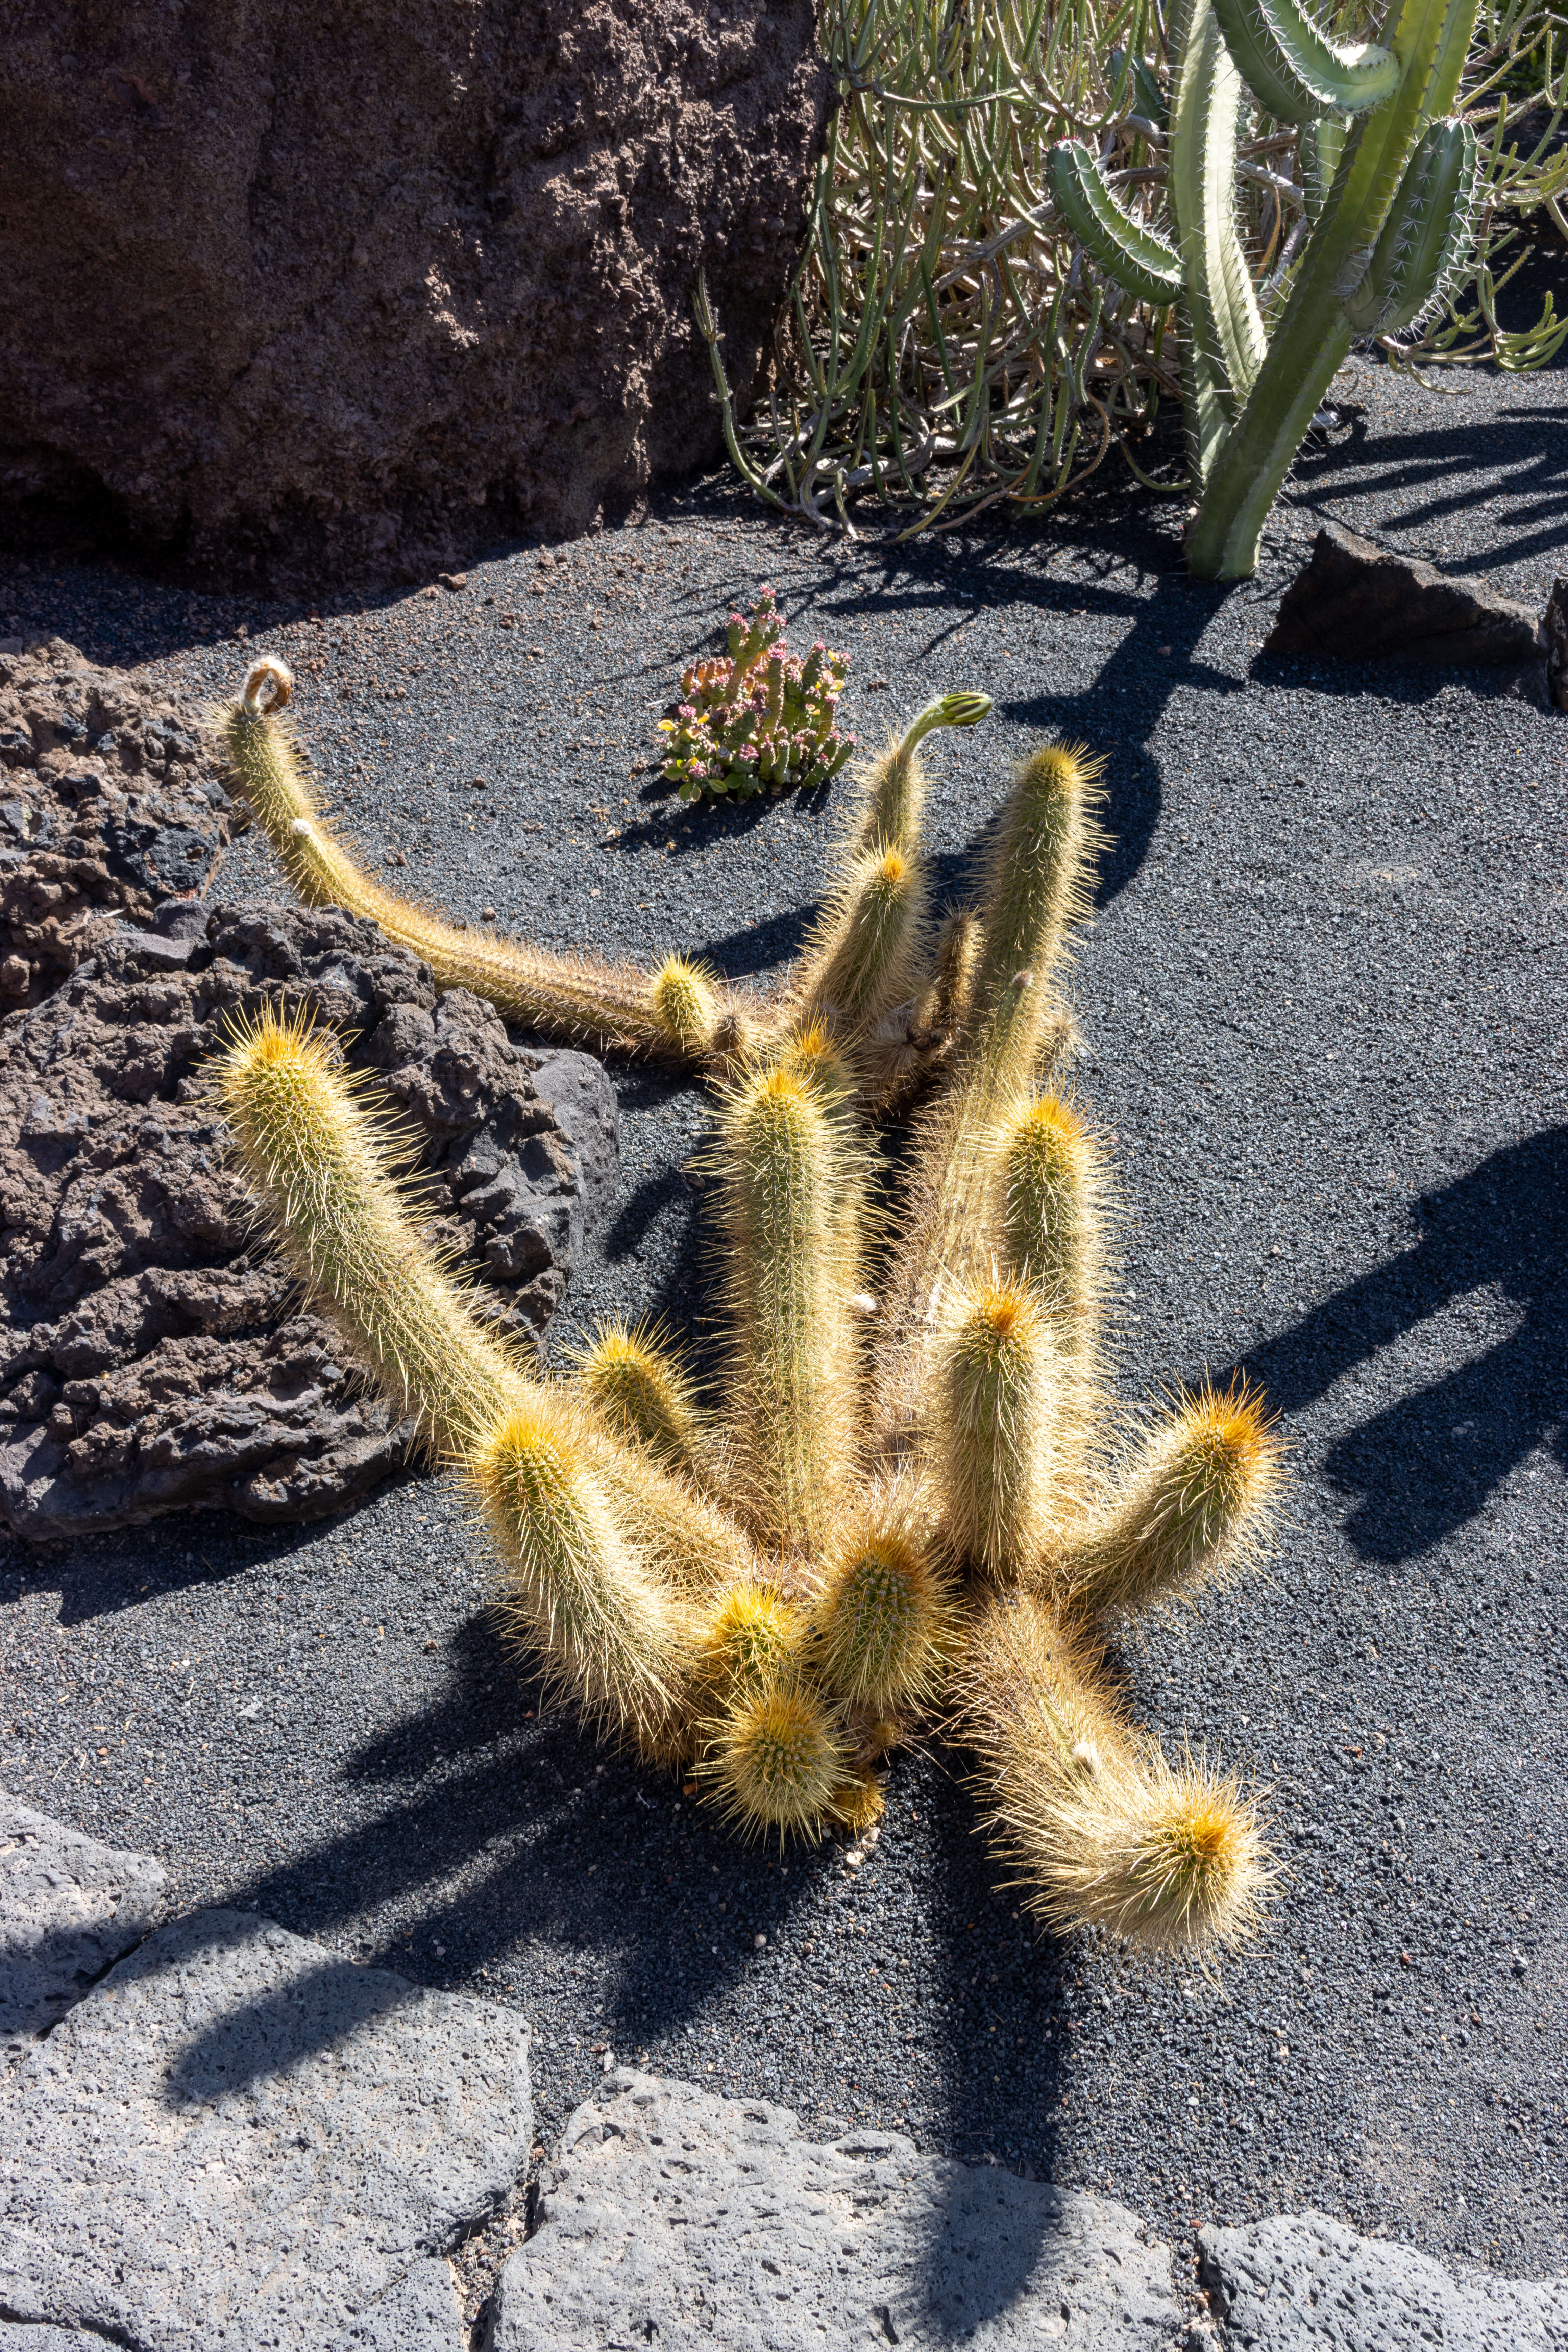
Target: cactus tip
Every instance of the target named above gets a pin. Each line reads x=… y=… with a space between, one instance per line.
x=268 y=686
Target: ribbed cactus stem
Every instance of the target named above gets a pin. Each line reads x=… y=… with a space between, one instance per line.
x=811 y=1053
x=894 y=786
x=869 y=951
x=685 y=1004
x=1035 y=887
x=1294 y=70
x=1052 y=1179
x=610 y=1008
x=1430 y=40
x=640 y=1390
x=993 y=1428
x=1189 y=1513
x=1038 y=868
x=326 y=1176
x=786 y=1176
x=870 y=948
x=750 y=1642
x=1101 y=1831
x=883 y=1626
x=612 y=1638
x=1131 y=252
x=775 y=1760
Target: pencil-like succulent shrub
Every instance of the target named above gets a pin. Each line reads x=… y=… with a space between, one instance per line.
x=757 y=719
x=904 y=1504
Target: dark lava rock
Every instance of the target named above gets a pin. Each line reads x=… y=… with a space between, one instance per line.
x=361 y=290
x=155 y=1356
x=1357 y=602
x=109 y=805
x=1554 y=629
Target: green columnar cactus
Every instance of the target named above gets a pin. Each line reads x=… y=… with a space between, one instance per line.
x=1392 y=188
x=895 y=1508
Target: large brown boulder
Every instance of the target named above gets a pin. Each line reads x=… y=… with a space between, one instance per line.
x=308 y=288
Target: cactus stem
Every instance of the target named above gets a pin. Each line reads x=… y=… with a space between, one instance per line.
x=776 y=1761
x=1189 y=1514
x=1102 y=1831
x=680 y=1015
x=993 y=1436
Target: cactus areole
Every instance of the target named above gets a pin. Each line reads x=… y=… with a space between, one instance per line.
x=1393 y=203
x=908 y=1505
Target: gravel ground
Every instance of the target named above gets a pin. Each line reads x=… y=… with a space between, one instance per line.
x=1324 y=1003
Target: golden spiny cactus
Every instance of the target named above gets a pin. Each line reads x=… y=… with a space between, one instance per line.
x=896 y=1513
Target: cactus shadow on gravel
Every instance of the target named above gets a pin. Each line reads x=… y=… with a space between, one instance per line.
x=586 y=1853
x=1425 y=1467
x=1515 y=466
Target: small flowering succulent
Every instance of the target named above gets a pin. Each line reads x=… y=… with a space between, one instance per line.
x=758 y=717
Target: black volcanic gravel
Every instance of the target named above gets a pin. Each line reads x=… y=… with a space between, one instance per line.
x=1324 y=1007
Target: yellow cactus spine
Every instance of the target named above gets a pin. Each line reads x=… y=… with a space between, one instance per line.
x=811 y=1054
x=750 y=1640
x=885 y=1620
x=680 y=1014
x=639 y=1388
x=326 y=1179
x=1101 y=1829
x=1052 y=1175
x=780 y=1590
x=776 y=1762
x=893 y=787
x=1188 y=1515
x=685 y=1004
x=612 y=1638
x=1038 y=868
x=993 y=1432
x=1035 y=887
x=870 y=951
x=786 y=1173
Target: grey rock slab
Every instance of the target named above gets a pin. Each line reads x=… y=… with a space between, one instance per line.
x=1301 y=2283
x=69 y=1908
x=676 y=2217
x=420 y=2313
x=46 y=2339
x=241 y=2140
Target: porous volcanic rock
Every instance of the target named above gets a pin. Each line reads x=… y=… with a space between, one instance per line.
x=155 y=1357
x=674 y=2217
x=69 y=1908
x=358 y=291
x=240 y=2140
x=109 y=805
x=1305 y=2282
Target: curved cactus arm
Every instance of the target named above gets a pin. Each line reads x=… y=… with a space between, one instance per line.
x=1431 y=39
x=1137 y=258
x=1428 y=232
x=1293 y=71
x=1223 y=344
